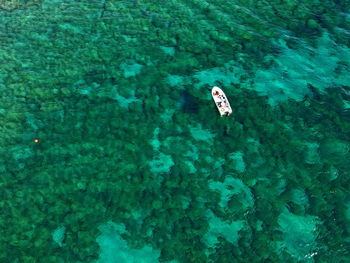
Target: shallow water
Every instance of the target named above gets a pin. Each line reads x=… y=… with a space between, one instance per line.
x=112 y=150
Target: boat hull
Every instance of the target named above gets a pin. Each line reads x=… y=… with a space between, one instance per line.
x=221 y=101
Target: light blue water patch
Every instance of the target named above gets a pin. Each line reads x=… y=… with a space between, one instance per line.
x=124 y=102
x=193 y=153
x=131 y=68
x=228 y=74
x=114 y=249
x=177 y=80
x=167 y=115
x=32 y=121
x=20 y=153
x=191 y=168
x=168 y=50
x=299 y=234
x=259 y=225
x=87 y=89
x=280 y=186
x=220 y=228
x=71 y=28
x=155 y=140
x=333 y=171
x=162 y=163
x=299 y=197
x=112 y=92
x=231 y=187
x=200 y=134
x=237 y=157
x=312 y=155
x=322 y=67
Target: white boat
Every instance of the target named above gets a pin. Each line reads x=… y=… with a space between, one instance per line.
x=221 y=101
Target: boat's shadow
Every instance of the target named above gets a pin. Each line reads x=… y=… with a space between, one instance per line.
x=189 y=103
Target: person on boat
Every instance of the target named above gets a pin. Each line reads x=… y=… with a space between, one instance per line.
x=216 y=93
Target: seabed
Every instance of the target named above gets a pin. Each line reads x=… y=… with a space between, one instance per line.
x=112 y=150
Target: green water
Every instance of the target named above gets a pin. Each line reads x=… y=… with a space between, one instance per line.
x=112 y=150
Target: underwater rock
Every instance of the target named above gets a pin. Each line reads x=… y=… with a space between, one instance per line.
x=58 y=235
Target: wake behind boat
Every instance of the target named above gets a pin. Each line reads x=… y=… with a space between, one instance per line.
x=221 y=101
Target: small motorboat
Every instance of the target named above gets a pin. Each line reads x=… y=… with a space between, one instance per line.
x=221 y=101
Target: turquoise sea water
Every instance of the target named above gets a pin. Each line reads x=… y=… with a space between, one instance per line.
x=112 y=150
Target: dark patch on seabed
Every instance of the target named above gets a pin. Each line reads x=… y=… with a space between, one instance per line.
x=188 y=102
x=112 y=149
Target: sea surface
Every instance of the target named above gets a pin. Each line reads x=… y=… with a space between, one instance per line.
x=112 y=149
